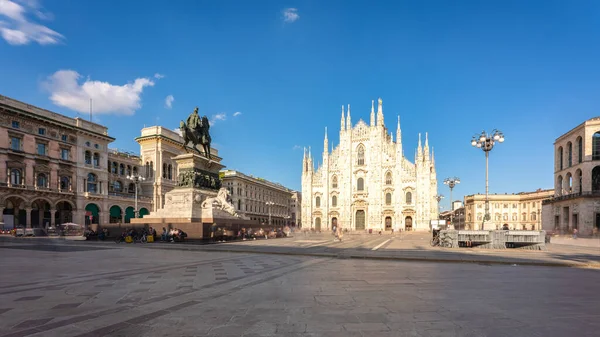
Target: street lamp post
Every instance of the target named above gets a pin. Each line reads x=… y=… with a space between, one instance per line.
x=451 y=182
x=486 y=142
x=438 y=198
x=136 y=181
x=269 y=204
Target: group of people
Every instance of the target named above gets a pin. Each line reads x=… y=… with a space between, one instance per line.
x=173 y=235
x=338 y=233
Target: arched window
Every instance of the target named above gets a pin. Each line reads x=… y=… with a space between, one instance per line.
x=88 y=157
x=578 y=180
x=65 y=183
x=388 y=199
x=115 y=167
x=497 y=216
x=151 y=169
x=524 y=216
x=92 y=183
x=135 y=171
x=361 y=155
x=170 y=173
x=122 y=169
x=147 y=170
x=42 y=180
x=579 y=149
x=117 y=186
x=515 y=217
x=360 y=184
x=560 y=158
x=596 y=179
x=108 y=165
x=569 y=180
x=596 y=146
x=131 y=188
x=239 y=204
x=388 y=178
x=334 y=201
x=318 y=202
x=96 y=159
x=569 y=154
x=165 y=170
x=16 y=177
x=533 y=216
x=559 y=185
x=408 y=198
x=334 y=182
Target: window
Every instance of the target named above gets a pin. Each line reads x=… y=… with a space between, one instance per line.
x=131 y=188
x=92 y=183
x=41 y=149
x=505 y=205
x=63 y=138
x=135 y=171
x=42 y=131
x=334 y=182
x=361 y=155
x=96 y=159
x=170 y=174
x=122 y=169
x=117 y=186
x=16 y=124
x=115 y=167
x=596 y=146
x=560 y=158
x=65 y=154
x=318 y=202
x=128 y=170
x=87 y=144
x=360 y=184
x=579 y=150
x=497 y=216
x=388 y=199
x=533 y=216
x=596 y=179
x=388 y=178
x=42 y=180
x=165 y=170
x=569 y=154
x=334 y=201
x=408 y=198
x=524 y=216
x=97 y=146
x=15 y=143
x=65 y=182
x=514 y=205
x=505 y=217
x=16 y=177
x=514 y=217
x=88 y=158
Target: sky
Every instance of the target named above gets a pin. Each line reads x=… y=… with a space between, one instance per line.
x=271 y=75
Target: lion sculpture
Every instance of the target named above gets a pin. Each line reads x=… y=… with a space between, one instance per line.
x=222 y=201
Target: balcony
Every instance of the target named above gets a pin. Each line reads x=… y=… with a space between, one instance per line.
x=588 y=194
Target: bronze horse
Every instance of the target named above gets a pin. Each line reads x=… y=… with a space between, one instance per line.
x=200 y=136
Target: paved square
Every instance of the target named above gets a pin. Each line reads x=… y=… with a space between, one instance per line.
x=130 y=290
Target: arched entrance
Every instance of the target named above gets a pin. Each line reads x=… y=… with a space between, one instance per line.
x=64 y=213
x=115 y=214
x=318 y=224
x=94 y=211
x=129 y=214
x=408 y=223
x=40 y=214
x=14 y=213
x=143 y=212
x=388 y=223
x=334 y=222
x=359 y=223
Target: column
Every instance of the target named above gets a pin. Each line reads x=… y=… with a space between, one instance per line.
x=122 y=216
x=100 y=217
x=52 y=213
x=1 y=214
x=28 y=217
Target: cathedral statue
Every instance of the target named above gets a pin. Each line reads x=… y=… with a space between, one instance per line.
x=195 y=130
x=221 y=201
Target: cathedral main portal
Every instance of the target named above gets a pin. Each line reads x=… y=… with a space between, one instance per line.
x=360 y=220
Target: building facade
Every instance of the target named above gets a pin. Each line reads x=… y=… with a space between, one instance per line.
x=576 y=201
x=258 y=199
x=520 y=211
x=54 y=169
x=366 y=182
x=296 y=209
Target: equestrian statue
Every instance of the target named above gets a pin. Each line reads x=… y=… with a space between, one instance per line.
x=195 y=130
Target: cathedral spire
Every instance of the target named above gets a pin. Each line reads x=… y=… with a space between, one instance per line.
x=348 y=120
x=380 y=120
x=325 y=143
x=342 y=121
x=426 y=148
x=419 y=148
x=398 y=131
x=432 y=158
x=372 y=113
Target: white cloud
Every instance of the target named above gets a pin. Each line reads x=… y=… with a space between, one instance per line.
x=218 y=117
x=237 y=113
x=19 y=30
x=107 y=98
x=297 y=147
x=290 y=15
x=169 y=101
x=158 y=76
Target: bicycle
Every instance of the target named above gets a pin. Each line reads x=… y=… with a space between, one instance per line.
x=444 y=241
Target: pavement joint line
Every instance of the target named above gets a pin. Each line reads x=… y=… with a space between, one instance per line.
x=381 y=244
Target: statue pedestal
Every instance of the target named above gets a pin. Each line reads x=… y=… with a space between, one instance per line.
x=198 y=180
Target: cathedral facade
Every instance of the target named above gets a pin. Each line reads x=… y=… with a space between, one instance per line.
x=366 y=182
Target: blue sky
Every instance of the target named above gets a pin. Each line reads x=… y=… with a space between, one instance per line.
x=450 y=68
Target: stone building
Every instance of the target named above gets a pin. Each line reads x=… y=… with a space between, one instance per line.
x=256 y=198
x=366 y=182
x=576 y=201
x=296 y=209
x=518 y=211
x=55 y=169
